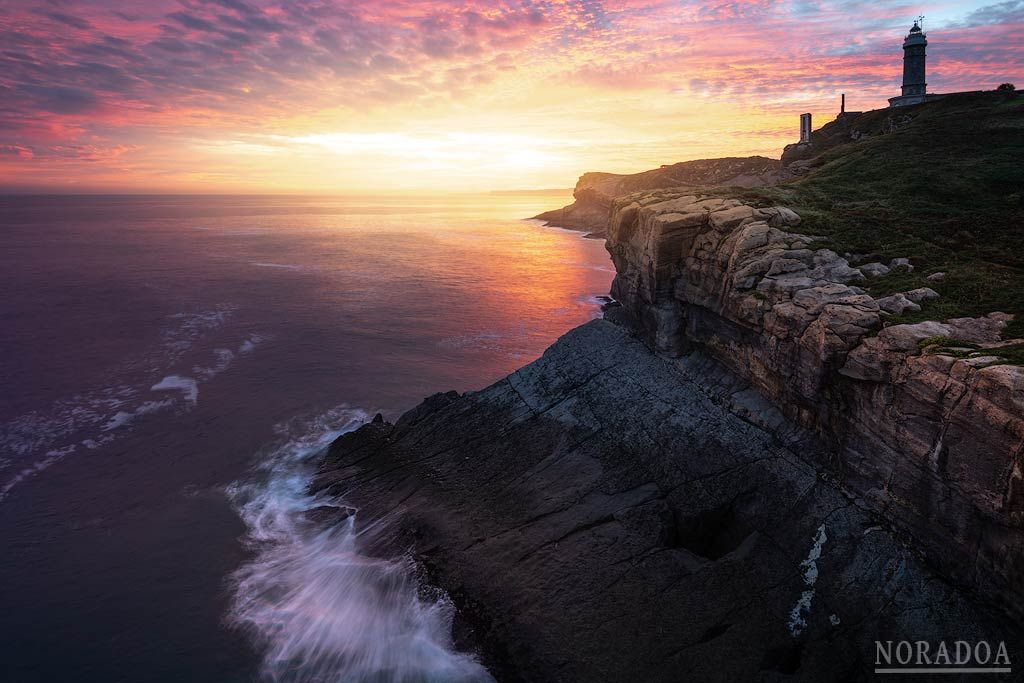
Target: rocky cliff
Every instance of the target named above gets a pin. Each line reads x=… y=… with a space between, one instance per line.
x=606 y=514
x=741 y=475
x=923 y=423
x=595 y=192
x=797 y=433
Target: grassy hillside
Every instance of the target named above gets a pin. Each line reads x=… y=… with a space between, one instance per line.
x=941 y=183
x=607 y=186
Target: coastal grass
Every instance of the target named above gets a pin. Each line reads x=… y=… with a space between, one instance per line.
x=960 y=348
x=1013 y=354
x=940 y=183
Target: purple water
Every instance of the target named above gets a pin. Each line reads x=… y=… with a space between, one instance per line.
x=170 y=364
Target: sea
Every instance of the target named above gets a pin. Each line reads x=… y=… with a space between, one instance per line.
x=170 y=369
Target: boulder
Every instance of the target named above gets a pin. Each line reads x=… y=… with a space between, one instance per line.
x=921 y=294
x=979 y=330
x=874 y=269
x=898 y=304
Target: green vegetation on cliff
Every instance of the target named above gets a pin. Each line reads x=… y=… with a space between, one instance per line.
x=941 y=183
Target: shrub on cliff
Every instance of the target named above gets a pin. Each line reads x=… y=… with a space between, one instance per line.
x=942 y=190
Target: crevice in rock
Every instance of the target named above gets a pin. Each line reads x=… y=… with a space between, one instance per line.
x=715 y=532
x=714 y=632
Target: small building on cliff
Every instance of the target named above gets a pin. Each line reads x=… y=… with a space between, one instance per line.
x=913 y=91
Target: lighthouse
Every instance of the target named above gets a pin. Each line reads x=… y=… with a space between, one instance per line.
x=913 y=62
x=914 y=85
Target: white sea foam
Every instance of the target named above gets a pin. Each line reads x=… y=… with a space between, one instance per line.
x=184 y=329
x=186 y=385
x=120 y=419
x=597 y=302
x=152 y=407
x=38 y=466
x=95 y=418
x=282 y=266
x=319 y=608
x=249 y=344
x=222 y=362
x=797 y=622
x=124 y=418
x=38 y=430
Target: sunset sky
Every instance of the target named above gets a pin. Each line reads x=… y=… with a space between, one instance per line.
x=424 y=95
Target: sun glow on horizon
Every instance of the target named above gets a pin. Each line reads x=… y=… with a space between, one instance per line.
x=338 y=96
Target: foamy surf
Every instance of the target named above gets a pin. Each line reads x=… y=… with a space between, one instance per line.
x=188 y=387
x=318 y=608
x=37 y=440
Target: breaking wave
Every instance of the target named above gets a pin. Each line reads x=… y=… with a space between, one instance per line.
x=33 y=442
x=318 y=608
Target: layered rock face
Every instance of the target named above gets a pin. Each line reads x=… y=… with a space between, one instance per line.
x=595 y=192
x=736 y=482
x=602 y=515
x=932 y=442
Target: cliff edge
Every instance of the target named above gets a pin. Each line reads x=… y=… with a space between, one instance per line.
x=799 y=432
x=926 y=436
x=603 y=514
x=595 y=192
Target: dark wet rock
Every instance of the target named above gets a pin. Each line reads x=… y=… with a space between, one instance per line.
x=745 y=472
x=931 y=442
x=606 y=514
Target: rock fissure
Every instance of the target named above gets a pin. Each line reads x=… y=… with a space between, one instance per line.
x=637 y=503
x=935 y=435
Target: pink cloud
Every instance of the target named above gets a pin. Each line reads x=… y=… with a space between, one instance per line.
x=17 y=151
x=95 y=75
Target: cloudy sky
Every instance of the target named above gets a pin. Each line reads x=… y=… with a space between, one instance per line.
x=426 y=95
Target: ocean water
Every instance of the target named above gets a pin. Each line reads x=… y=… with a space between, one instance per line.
x=170 y=368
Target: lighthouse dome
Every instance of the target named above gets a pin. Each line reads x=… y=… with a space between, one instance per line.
x=915 y=37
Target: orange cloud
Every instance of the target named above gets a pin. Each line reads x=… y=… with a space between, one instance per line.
x=230 y=95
